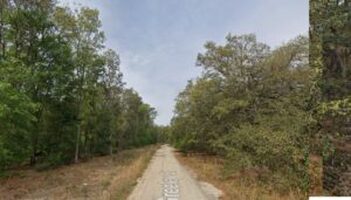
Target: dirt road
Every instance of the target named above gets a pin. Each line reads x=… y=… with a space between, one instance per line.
x=166 y=179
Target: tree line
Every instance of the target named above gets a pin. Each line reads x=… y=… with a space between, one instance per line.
x=272 y=110
x=62 y=96
x=250 y=106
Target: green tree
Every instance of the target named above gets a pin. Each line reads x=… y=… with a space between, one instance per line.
x=17 y=118
x=250 y=106
x=62 y=95
x=330 y=34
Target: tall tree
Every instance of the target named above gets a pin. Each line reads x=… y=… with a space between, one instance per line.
x=250 y=106
x=330 y=34
x=61 y=92
x=112 y=83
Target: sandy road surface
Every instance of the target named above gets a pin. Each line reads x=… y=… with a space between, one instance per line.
x=166 y=179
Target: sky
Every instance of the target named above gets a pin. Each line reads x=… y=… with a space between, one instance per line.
x=158 y=40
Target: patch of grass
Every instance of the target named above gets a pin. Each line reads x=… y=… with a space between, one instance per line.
x=105 y=184
x=106 y=177
x=126 y=180
x=240 y=185
x=123 y=191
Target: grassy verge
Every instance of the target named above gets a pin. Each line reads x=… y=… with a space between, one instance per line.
x=107 y=177
x=241 y=186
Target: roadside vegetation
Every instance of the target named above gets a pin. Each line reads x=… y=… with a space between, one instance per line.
x=62 y=96
x=100 y=178
x=240 y=185
x=250 y=106
x=330 y=54
x=274 y=120
x=282 y=114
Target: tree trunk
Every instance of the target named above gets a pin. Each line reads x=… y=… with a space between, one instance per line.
x=111 y=144
x=76 y=155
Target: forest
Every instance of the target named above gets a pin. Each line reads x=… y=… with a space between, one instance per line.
x=251 y=106
x=62 y=94
x=275 y=110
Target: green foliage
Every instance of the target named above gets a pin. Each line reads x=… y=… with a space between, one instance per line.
x=330 y=32
x=251 y=106
x=62 y=96
x=330 y=44
x=17 y=118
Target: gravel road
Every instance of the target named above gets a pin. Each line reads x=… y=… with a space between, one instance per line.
x=166 y=179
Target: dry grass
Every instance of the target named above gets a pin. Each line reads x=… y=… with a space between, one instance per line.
x=108 y=177
x=238 y=187
x=316 y=173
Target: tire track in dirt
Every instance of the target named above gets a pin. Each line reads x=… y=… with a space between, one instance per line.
x=166 y=179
